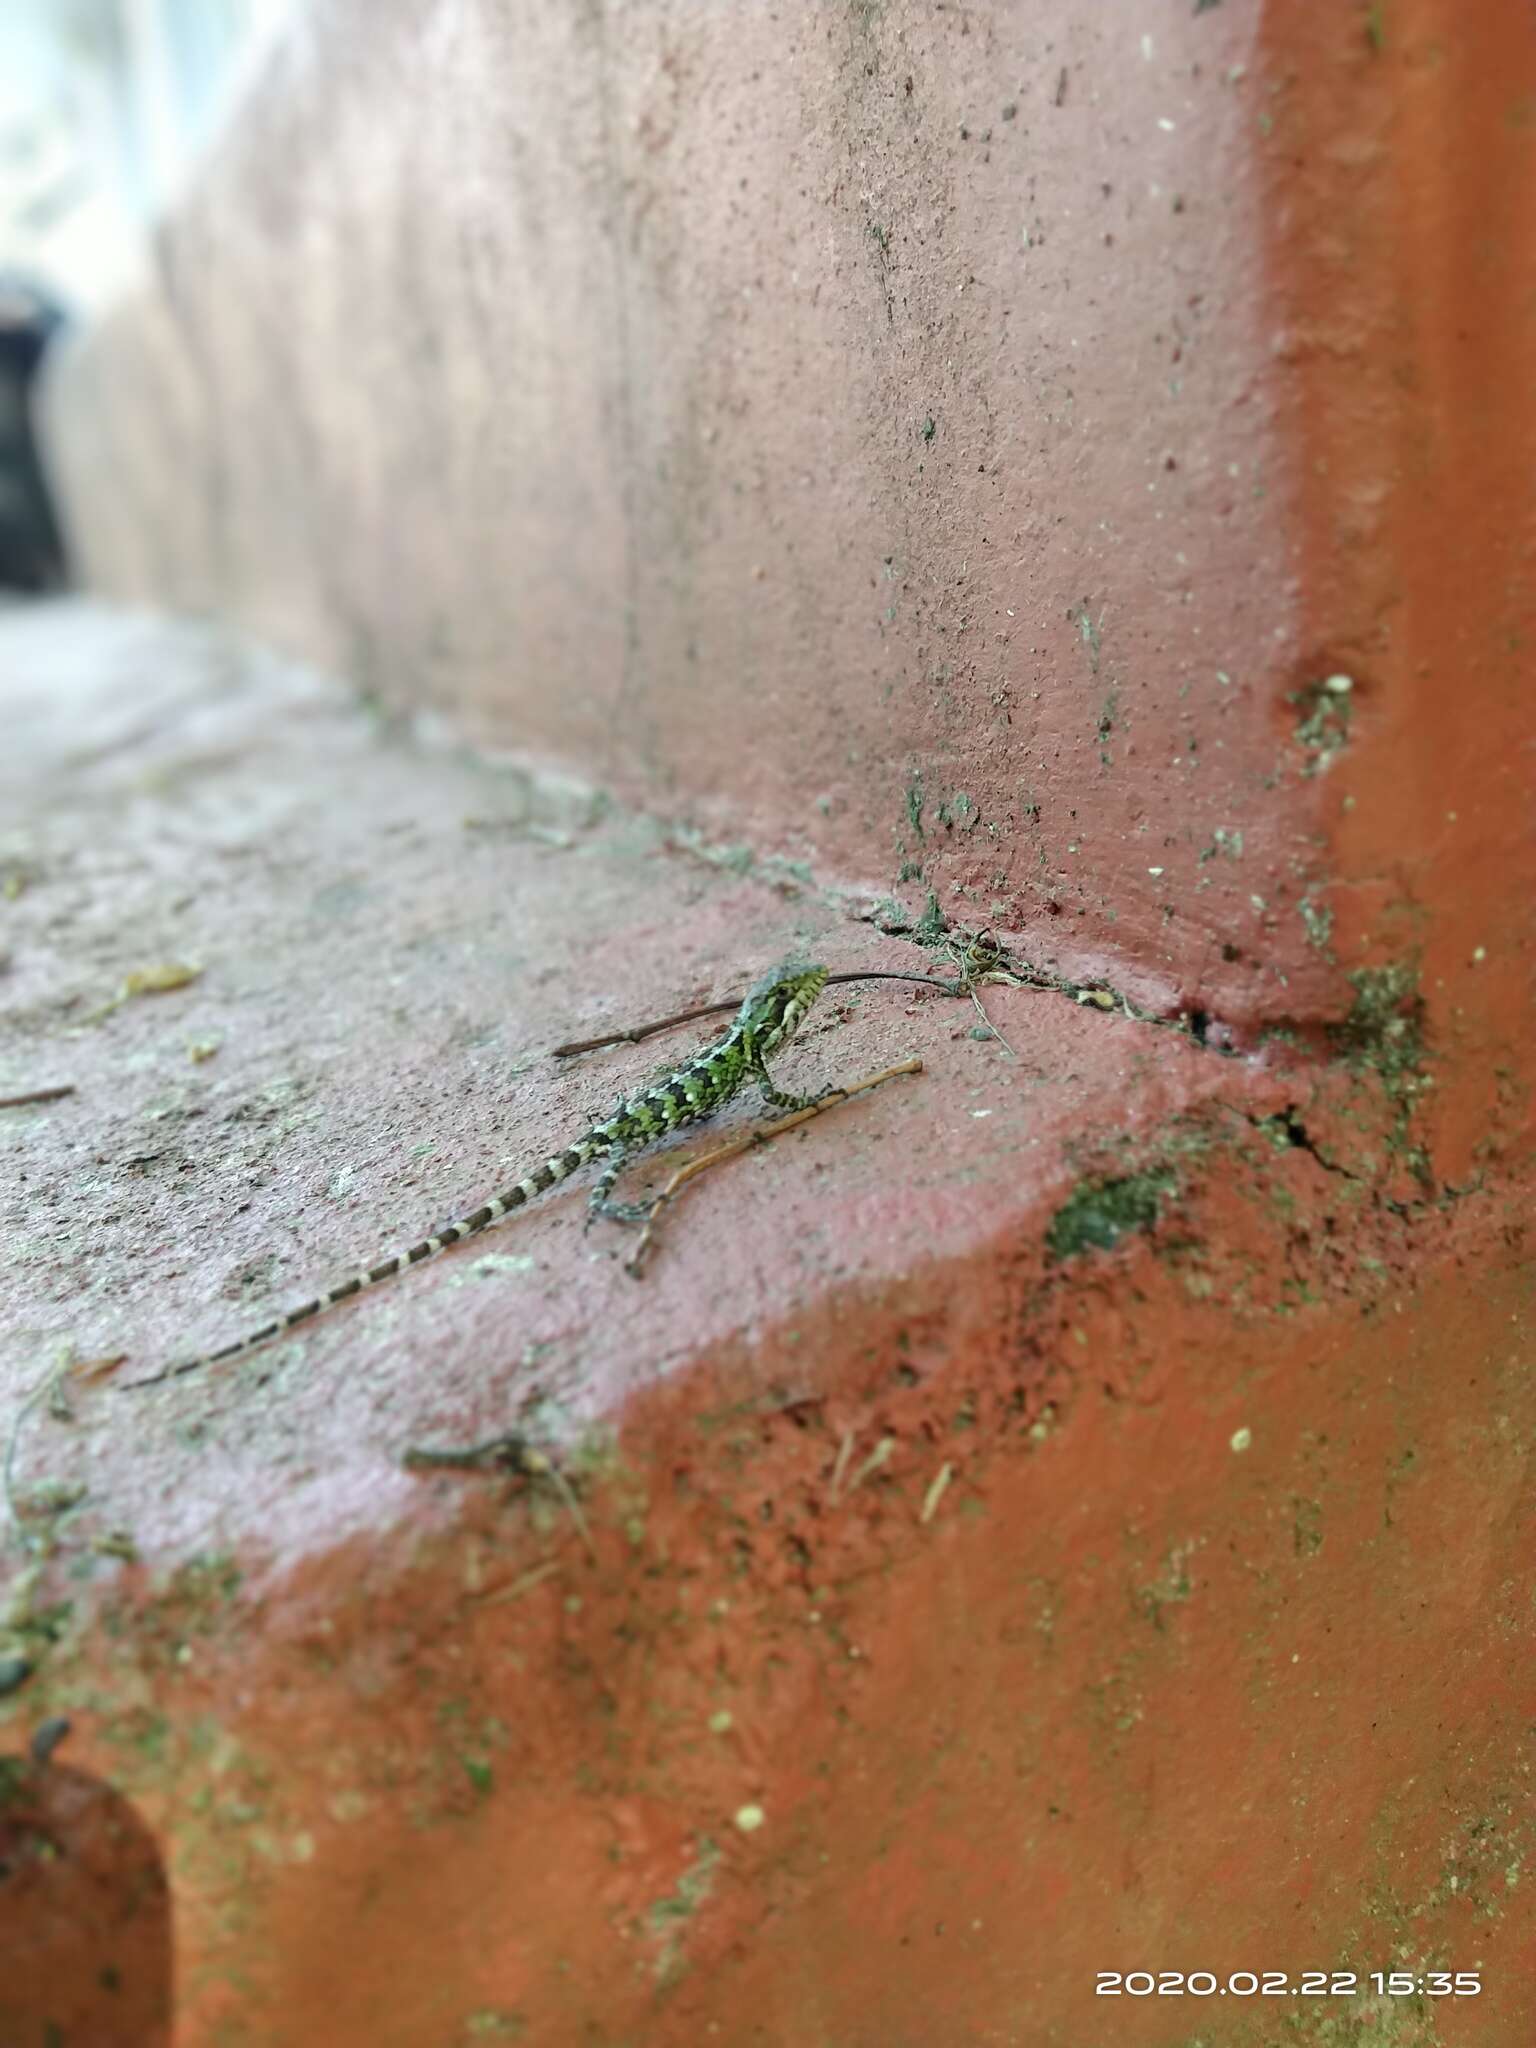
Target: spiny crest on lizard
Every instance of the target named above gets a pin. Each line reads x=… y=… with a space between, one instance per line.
x=770 y=1014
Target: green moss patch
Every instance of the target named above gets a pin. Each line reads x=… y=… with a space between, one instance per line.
x=1385 y=1026
x=1099 y=1213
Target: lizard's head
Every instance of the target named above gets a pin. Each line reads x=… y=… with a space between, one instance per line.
x=773 y=1007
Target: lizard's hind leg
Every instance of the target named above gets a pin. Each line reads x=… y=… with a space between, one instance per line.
x=599 y=1204
x=777 y=1099
x=625 y=1212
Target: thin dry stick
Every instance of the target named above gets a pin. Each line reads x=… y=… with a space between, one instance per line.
x=525 y=1583
x=509 y=1453
x=577 y=1045
x=572 y=1505
x=639 y=1031
x=37 y=1095
x=996 y=1033
x=978 y=957
x=735 y=1146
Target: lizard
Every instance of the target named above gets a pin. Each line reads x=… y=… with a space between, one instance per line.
x=770 y=1014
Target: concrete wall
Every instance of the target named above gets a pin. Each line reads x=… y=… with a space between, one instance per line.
x=850 y=430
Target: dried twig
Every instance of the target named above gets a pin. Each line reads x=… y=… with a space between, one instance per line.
x=735 y=1146
x=639 y=1031
x=991 y=1027
x=508 y=1453
x=567 y=1493
x=978 y=957
x=524 y=1583
x=37 y=1095
x=579 y=1045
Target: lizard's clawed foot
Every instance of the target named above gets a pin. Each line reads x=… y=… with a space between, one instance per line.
x=623 y=1212
x=792 y=1105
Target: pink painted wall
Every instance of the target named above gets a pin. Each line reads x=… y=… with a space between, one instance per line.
x=848 y=431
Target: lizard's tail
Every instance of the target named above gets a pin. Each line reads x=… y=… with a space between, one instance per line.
x=560 y=1167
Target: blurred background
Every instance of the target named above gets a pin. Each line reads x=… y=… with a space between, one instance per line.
x=104 y=106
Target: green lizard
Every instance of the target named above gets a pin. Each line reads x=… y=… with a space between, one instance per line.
x=769 y=1016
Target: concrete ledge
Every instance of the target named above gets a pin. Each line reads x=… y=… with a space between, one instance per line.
x=386 y=945
x=1066 y=1513
x=944 y=1547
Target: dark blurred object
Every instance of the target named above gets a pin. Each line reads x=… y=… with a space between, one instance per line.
x=46 y=1737
x=31 y=553
x=85 y=1913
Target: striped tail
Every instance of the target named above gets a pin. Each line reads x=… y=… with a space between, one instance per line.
x=554 y=1170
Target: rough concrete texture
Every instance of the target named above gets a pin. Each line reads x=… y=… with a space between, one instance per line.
x=950 y=446
x=867 y=415
x=400 y=954
x=1068 y=1511
x=1058 y=1606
